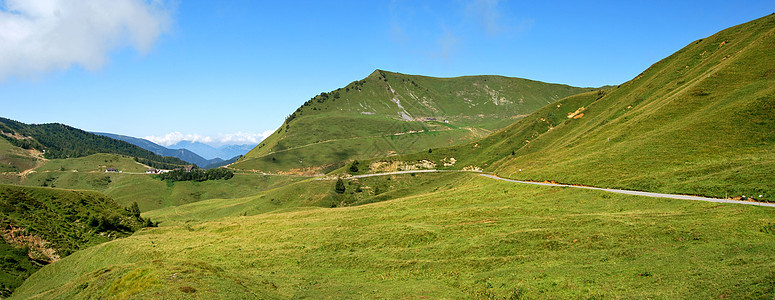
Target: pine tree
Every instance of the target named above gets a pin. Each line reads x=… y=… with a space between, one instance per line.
x=339 y=187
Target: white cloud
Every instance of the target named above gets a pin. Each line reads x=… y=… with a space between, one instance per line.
x=39 y=36
x=239 y=138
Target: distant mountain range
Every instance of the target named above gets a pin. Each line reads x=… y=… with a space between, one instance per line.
x=210 y=152
x=203 y=155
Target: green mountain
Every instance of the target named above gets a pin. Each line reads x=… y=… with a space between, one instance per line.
x=62 y=141
x=701 y=121
x=391 y=113
x=41 y=225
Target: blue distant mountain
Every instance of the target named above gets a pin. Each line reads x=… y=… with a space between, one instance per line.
x=184 y=154
x=210 y=152
x=203 y=155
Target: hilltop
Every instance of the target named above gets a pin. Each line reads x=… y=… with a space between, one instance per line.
x=697 y=122
x=391 y=113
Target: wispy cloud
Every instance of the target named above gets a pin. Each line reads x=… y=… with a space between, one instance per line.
x=39 y=36
x=440 y=30
x=239 y=138
x=446 y=44
x=488 y=14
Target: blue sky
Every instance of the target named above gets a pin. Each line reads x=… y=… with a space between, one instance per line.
x=231 y=70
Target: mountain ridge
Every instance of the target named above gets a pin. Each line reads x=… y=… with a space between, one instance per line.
x=390 y=113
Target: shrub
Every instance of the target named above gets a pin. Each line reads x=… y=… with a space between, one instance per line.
x=769 y=228
x=354 y=166
x=339 y=186
x=134 y=209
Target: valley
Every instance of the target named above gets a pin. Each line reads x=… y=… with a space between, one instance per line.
x=401 y=186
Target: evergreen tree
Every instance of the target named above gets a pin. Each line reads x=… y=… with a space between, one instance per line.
x=134 y=209
x=339 y=187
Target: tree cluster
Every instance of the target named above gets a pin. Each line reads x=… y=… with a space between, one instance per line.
x=197 y=175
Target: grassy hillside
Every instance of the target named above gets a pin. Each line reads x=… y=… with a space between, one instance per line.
x=698 y=122
x=476 y=238
x=133 y=185
x=62 y=141
x=309 y=193
x=390 y=113
x=41 y=225
x=14 y=159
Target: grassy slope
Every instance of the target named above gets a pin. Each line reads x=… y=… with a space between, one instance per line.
x=698 y=122
x=493 y=148
x=477 y=238
x=15 y=159
x=309 y=193
x=362 y=120
x=95 y=163
x=45 y=223
x=88 y=173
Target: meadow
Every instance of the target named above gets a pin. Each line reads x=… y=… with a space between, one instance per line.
x=471 y=238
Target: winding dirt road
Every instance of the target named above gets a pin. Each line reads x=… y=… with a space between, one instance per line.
x=627 y=192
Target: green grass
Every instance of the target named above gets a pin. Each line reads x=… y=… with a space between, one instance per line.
x=477 y=238
x=364 y=121
x=39 y=225
x=151 y=193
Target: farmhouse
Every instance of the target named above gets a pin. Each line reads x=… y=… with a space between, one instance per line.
x=111 y=170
